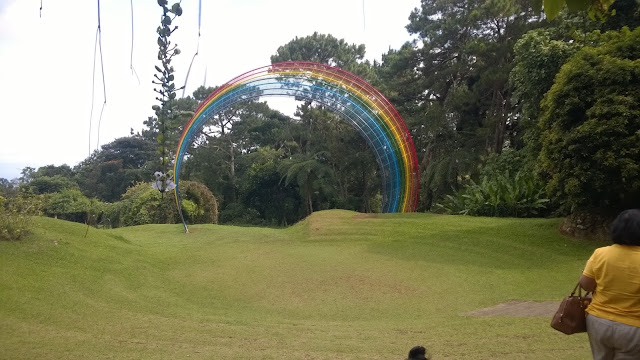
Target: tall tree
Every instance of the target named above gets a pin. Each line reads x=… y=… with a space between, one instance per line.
x=597 y=9
x=313 y=176
x=107 y=173
x=455 y=78
x=321 y=131
x=9 y=188
x=166 y=113
x=325 y=49
x=262 y=188
x=238 y=130
x=539 y=55
x=590 y=127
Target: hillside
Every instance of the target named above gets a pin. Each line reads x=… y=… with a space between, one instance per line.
x=339 y=285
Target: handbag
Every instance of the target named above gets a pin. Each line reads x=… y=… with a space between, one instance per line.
x=571 y=316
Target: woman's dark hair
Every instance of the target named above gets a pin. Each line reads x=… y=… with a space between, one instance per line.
x=625 y=229
x=418 y=353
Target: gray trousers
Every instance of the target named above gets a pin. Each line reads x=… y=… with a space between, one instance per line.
x=611 y=340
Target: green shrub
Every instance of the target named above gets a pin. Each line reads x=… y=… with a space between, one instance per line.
x=51 y=184
x=504 y=195
x=590 y=126
x=189 y=209
x=73 y=205
x=141 y=204
x=236 y=213
x=15 y=215
x=199 y=206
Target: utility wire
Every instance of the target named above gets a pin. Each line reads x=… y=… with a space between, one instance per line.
x=364 y=23
x=204 y=82
x=184 y=88
x=93 y=87
x=133 y=71
x=104 y=86
x=99 y=121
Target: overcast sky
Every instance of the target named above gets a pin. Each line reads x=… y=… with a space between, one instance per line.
x=46 y=63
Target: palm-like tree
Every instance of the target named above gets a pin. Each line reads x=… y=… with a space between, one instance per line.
x=312 y=173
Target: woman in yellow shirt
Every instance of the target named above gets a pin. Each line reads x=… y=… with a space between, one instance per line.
x=613 y=274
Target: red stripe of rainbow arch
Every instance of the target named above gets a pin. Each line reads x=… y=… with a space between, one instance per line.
x=354 y=85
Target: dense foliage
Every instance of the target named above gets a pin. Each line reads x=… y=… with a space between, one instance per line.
x=512 y=115
x=16 y=215
x=591 y=126
x=73 y=205
x=199 y=206
x=122 y=163
x=142 y=204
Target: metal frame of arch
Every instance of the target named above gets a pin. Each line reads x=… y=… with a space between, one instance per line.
x=346 y=94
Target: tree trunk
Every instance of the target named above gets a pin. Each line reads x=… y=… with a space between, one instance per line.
x=426 y=158
x=232 y=170
x=309 y=201
x=501 y=122
x=366 y=203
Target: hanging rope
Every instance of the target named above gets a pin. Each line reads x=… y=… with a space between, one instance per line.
x=364 y=23
x=41 y=9
x=133 y=71
x=93 y=87
x=99 y=121
x=204 y=82
x=98 y=45
x=184 y=88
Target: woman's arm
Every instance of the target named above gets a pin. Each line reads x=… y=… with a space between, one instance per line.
x=587 y=283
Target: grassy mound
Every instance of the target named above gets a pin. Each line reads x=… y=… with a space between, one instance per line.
x=339 y=285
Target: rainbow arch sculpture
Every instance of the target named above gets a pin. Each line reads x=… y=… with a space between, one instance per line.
x=344 y=93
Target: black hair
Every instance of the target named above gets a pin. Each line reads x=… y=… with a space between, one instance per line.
x=417 y=353
x=625 y=229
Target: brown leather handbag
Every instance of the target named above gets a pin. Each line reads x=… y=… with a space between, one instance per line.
x=571 y=316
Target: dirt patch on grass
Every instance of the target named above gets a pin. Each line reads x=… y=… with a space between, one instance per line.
x=519 y=308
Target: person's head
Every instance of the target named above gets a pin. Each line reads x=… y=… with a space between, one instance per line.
x=625 y=229
x=417 y=353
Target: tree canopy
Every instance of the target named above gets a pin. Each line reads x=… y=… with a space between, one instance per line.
x=516 y=108
x=590 y=126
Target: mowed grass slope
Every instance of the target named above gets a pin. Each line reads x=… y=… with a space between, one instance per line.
x=339 y=285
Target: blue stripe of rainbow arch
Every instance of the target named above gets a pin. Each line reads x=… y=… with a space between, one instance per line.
x=355 y=99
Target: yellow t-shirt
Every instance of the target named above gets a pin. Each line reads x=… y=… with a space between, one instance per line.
x=616 y=270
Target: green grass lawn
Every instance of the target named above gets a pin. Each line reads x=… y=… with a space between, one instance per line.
x=339 y=285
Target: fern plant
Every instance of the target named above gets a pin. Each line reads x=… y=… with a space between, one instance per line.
x=501 y=195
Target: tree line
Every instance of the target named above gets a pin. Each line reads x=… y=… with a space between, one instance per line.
x=512 y=114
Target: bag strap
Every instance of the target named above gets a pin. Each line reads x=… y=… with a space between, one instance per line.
x=578 y=289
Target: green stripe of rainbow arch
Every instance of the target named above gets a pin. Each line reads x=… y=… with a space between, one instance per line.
x=344 y=93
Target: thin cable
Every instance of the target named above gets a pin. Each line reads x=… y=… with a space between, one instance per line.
x=41 y=9
x=204 y=82
x=184 y=88
x=136 y=74
x=199 y=15
x=99 y=121
x=364 y=23
x=133 y=71
x=104 y=86
x=93 y=88
x=131 y=63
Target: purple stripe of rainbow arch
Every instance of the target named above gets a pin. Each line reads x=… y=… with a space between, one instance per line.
x=355 y=99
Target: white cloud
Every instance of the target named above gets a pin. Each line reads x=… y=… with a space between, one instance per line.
x=46 y=63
